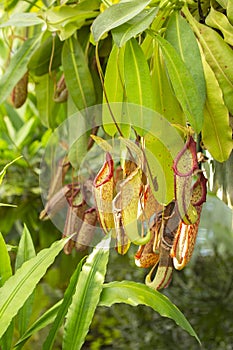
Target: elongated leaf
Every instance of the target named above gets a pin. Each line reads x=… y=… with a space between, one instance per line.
x=135 y=26
x=116 y=15
x=183 y=85
x=43 y=321
x=216 y=132
x=218 y=55
x=47 y=108
x=114 y=90
x=25 y=252
x=165 y=101
x=77 y=74
x=138 y=85
x=133 y=293
x=19 y=287
x=22 y=20
x=17 y=67
x=86 y=297
x=219 y=21
x=63 y=308
x=5 y=266
x=47 y=56
x=182 y=38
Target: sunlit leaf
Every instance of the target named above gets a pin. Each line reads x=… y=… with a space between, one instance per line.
x=86 y=297
x=219 y=21
x=63 y=308
x=132 y=28
x=218 y=55
x=183 y=84
x=25 y=252
x=19 y=287
x=182 y=38
x=133 y=293
x=116 y=15
x=77 y=75
x=166 y=102
x=216 y=133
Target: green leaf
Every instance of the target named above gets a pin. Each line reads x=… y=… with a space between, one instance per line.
x=181 y=36
x=218 y=55
x=86 y=297
x=23 y=20
x=219 y=21
x=216 y=132
x=138 y=85
x=5 y=266
x=165 y=101
x=183 y=84
x=66 y=19
x=116 y=15
x=44 y=320
x=63 y=308
x=46 y=105
x=134 y=294
x=47 y=56
x=77 y=74
x=17 y=67
x=25 y=252
x=19 y=287
x=133 y=27
x=114 y=90
x=230 y=11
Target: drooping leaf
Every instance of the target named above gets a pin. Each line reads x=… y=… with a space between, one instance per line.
x=86 y=297
x=47 y=108
x=47 y=56
x=138 y=85
x=133 y=293
x=25 y=252
x=63 y=308
x=182 y=38
x=132 y=28
x=218 y=55
x=116 y=15
x=166 y=102
x=43 y=321
x=218 y=20
x=216 y=132
x=17 y=67
x=183 y=84
x=114 y=92
x=19 y=287
x=77 y=75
